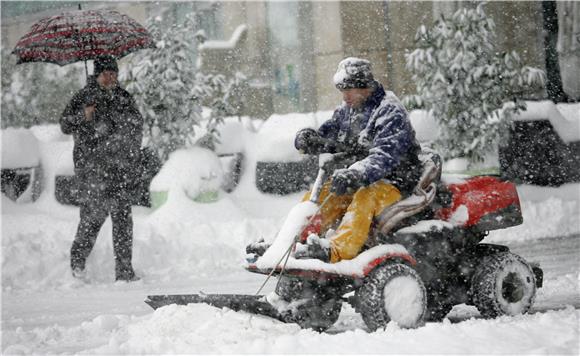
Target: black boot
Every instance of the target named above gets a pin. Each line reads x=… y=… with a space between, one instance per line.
x=126 y=276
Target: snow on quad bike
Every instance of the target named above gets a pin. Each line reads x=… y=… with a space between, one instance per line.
x=423 y=256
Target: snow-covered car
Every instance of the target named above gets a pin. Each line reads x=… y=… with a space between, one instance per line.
x=280 y=168
x=543 y=147
x=21 y=168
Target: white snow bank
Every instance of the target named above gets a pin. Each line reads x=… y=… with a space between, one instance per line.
x=547 y=212
x=19 y=149
x=202 y=329
x=179 y=241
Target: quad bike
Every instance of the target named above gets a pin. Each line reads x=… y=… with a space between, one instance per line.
x=423 y=256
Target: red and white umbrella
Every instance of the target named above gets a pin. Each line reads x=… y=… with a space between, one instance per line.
x=80 y=36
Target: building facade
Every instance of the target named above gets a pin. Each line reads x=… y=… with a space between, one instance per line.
x=289 y=50
x=295 y=46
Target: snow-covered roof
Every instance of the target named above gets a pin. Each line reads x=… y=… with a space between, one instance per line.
x=19 y=149
x=229 y=44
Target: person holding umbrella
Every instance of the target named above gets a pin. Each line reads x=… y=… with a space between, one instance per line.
x=103 y=119
x=107 y=129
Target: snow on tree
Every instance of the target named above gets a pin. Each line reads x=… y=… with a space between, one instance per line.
x=162 y=82
x=470 y=89
x=32 y=93
x=222 y=95
x=170 y=92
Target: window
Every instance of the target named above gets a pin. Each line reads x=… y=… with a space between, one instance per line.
x=285 y=55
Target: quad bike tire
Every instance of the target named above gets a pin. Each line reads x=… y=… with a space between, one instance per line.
x=503 y=284
x=394 y=292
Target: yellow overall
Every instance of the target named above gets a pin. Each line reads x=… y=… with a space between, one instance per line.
x=357 y=211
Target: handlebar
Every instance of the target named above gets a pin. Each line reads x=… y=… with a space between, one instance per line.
x=342 y=156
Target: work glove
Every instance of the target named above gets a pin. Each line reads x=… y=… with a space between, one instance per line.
x=315 y=248
x=308 y=141
x=257 y=248
x=346 y=181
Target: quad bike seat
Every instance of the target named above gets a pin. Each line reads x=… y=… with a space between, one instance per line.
x=421 y=197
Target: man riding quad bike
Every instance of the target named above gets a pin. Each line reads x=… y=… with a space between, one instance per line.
x=379 y=222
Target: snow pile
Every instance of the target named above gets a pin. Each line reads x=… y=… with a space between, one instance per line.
x=547 y=212
x=19 y=149
x=179 y=241
x=232 y=133
x=190 y=171
x=206 y=330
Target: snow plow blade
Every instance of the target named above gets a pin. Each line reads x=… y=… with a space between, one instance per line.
x=255 y=304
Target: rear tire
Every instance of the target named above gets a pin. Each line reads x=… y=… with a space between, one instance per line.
x=503 y=284
x=392 y=292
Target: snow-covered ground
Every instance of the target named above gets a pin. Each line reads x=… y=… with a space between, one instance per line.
x=185 y=247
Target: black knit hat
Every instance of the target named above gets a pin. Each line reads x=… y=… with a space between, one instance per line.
x=353 y=73
x=103 y=63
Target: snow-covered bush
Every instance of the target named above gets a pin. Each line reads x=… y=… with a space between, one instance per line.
x=222 y=95
x=469 y=88
x=162 y=81
x=192 y=172
x=170 y=92
x=36 y=93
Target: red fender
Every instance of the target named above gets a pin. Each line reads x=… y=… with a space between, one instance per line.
x=377 y=261
x=483 y=195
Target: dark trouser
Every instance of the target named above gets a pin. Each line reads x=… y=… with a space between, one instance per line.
x=93 y=216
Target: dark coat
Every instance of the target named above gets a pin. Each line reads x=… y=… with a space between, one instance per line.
x=383 y=126
x=106 y=151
